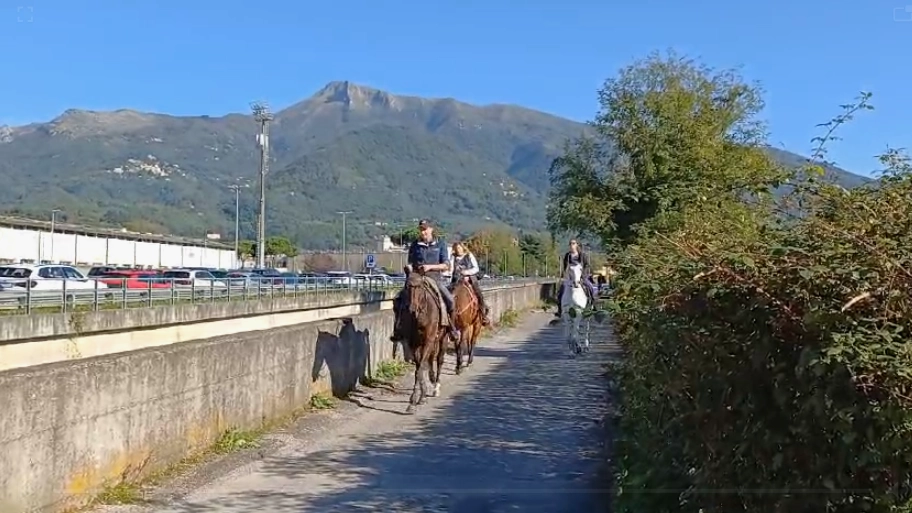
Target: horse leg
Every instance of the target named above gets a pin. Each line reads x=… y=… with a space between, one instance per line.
x=577 y=348
x=568 y=327
x=413 y=399
x=476 y=332
x=441 y=358
x=460 y=347
x=586 y=335
x=424 y=376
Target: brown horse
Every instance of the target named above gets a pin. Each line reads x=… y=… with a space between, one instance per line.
x=468 y=318
x=424 y=333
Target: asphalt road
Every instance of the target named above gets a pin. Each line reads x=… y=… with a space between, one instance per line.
x=521 y=431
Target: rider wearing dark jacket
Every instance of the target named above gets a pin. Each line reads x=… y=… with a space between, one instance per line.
x=429 y=256
x=572 y=257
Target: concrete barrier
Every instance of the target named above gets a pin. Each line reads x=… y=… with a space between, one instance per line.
x=30 y=340
x=71 y=428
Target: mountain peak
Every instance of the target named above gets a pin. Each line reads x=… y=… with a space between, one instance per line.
x=90 y=122
x=355 y=96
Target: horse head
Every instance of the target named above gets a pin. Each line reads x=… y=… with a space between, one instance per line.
x=574 y=275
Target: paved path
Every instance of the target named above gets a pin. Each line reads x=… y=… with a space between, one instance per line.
x=519 y=432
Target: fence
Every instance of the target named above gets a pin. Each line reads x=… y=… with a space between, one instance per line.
x=355 y=259
x=95 y=294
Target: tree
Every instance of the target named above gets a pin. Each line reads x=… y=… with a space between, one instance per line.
x=534 y=252
x=277 y=246
x=669 y=133
x=497 y=251
x=246 y=249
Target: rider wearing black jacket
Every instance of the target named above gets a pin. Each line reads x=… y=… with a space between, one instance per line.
x=574 y=256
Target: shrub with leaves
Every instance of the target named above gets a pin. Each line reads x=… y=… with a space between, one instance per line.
x=766 y=367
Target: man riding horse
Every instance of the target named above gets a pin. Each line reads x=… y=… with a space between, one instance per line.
x=428 y=256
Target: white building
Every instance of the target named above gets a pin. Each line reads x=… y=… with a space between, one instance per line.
x=29 y=241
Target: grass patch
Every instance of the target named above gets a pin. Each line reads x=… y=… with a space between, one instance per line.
x=390 y=370
x=322 y=402
x=509 y=319
x=120 y=493
x=233 y=439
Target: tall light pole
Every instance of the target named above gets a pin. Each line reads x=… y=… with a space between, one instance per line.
x=262 y=116
x=237 y=220
x=344 y=248
x=53 y=222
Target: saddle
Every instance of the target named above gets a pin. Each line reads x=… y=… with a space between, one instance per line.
x=431 y=286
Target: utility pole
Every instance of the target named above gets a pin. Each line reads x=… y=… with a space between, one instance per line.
x=237 y=220
x=262 y=116
x=344 y=248
x=53 y=222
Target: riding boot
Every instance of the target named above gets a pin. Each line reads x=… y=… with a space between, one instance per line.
x=485 y=312
x=454 y=333
x=397 y=331
x=397 y=322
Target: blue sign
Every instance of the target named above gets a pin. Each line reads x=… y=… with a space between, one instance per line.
x=370 y=262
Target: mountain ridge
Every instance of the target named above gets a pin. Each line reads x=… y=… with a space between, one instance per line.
x=390 y=158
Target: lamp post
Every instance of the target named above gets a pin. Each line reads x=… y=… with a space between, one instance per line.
x=53 y=223
x=262 y=116
x=237 y=220
x=344 y=214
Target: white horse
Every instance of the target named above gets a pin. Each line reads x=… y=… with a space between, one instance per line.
x=574 y=301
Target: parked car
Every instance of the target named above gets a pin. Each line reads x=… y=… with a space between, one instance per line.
x=143 y=280
x=271 y=276
x=192 y=278
x=343 y=278
x=45 y=277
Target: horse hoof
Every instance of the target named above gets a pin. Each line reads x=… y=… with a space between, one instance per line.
x=410 y=410
x=460 y=370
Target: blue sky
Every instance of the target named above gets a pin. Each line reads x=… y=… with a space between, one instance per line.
x=208 y=57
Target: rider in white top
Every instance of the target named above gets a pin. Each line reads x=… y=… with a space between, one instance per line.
x=465 y=266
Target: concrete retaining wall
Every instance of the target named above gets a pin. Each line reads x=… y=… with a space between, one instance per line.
x=70 y=428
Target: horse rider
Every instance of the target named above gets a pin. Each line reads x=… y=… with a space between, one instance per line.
x=574 y=256
x=465 y=267
x=428 y=255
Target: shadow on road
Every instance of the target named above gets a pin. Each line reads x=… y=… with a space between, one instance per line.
x=526 y=437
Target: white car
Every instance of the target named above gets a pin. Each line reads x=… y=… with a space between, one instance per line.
x=340 y=278
x=45 y=277
x=192 y=278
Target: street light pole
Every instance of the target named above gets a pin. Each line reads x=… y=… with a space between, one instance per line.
x=344 y=214
x=53 y=222
x=237 y=220
x=262 y=116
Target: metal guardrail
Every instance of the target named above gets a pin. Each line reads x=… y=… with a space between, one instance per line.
x=98 y=295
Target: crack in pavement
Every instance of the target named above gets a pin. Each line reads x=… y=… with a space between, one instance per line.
x=521 y=430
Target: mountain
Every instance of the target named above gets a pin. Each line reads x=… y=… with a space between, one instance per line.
x=388 y=158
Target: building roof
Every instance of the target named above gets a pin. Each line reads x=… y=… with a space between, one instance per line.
x=112 y=233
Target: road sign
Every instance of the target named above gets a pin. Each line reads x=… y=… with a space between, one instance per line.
x=370 y=262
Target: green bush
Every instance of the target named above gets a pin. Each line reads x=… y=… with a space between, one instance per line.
x=766 y=365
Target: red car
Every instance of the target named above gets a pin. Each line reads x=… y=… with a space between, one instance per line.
x=134 y=280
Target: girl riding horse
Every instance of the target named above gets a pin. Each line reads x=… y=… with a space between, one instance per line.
x=465 y=267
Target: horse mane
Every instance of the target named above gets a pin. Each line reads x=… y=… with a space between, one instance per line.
x=420 y=298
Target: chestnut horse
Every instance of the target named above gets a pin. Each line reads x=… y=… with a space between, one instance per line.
x=424 y=335
x=468 y=318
